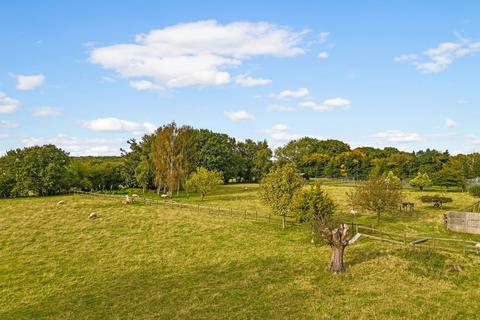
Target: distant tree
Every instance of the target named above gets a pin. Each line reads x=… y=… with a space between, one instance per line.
x=169 y=155
x=204 y=181
x=392 y=179
x=34 y=171
x=144 y=173
x=216 y=152
x=377 y=195
x=421 y=181
x=449 y=177
x=278 y=188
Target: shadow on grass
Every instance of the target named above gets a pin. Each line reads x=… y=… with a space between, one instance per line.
x=228 y=290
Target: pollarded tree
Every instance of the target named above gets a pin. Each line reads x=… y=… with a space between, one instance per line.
x=378 y=195
x=278 y=188
x=421 y=181
x=314 y=205
x=204 y=181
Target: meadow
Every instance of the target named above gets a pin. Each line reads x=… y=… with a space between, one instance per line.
x=142 y=261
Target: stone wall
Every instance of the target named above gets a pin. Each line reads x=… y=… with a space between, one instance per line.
x=468 y=222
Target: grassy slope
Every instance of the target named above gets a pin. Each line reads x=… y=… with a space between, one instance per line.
x=153 y=262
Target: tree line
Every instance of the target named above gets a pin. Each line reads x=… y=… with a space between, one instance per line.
x=166 y=159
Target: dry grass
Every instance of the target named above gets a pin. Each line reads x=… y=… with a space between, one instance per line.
x=152 y=262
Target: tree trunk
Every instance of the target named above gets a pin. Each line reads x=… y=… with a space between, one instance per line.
x=283 y=222
x=336 y=264
x=378 y=217
x=338 y=240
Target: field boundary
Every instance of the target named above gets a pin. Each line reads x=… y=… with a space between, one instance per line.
x=245 y=214
x=417 y=241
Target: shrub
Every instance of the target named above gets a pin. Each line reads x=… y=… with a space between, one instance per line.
x=475 y=190
x=437 y=200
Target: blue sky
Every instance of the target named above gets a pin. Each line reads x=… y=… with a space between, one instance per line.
x=88 y=75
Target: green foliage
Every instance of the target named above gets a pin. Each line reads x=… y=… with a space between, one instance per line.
x=95 y=173
x=421 y=181
x=392 y=180
x=279 y=187
x=377 y=195
x=34 y=171
x=475 y=190
x=313 y=204
x=449 y=177
x=204 y=181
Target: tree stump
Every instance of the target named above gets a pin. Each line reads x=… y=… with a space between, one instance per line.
x=338 y=240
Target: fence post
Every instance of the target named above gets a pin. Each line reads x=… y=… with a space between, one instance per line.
x=256 y=215
x=269 y=217
x=245 y=214
x=231 y=212
x=405 y=239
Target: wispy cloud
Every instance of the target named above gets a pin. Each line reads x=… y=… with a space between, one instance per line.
x=240 y=115
x=286 y=94
x=46 y=112
x=29 y=82
x=7 y=104
x=118 y=125
x=439 y=58
x=326 y=105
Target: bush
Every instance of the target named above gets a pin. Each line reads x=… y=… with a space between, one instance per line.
x=437 y=200
x=475 y=190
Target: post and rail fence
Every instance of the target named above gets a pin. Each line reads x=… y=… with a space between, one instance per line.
x=366 y=231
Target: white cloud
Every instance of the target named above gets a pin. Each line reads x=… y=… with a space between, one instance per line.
x=197 y=53
x=143 y=85
x=28 y=82
x=474 y=139
x=327 y=105
x=46 y=112
x=438 y=59
x=3 y=136
x=323 y=55
x=247 y=81
x=280 y=133
x=405 y=57
x=8 y=124
x=241 y=115
x=299 y=93
x=79 y=146
x=323 y=37
x=450 y=123
x=118 y=125
x=280 y=108
x=7 y=104
x=398 y=136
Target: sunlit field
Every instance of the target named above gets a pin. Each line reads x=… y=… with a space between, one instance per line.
x=156 y=262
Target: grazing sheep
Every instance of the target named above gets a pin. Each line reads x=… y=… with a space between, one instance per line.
x=353 y=212
x=477 y=247
x=93 y=216
x=164 y=196
x=60 y=202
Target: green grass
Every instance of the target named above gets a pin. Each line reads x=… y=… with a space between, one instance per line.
x=155 y=262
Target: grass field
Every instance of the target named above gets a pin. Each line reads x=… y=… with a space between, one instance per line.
x=156 y=262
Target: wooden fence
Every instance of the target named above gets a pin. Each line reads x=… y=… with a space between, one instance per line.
x=366 y=231
x=253 y=215
x=420 y=241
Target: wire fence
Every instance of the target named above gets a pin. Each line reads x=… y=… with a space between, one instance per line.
x=245 y=214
